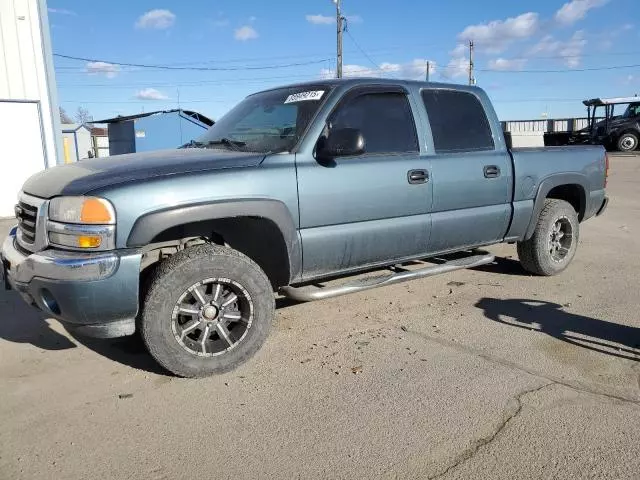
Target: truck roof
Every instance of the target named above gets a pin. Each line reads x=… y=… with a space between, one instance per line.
x=375 y=81
x=599 y=102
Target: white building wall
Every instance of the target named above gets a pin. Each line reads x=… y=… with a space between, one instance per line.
x=28 y=102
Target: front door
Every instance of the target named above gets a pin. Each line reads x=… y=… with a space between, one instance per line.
x=371 y=208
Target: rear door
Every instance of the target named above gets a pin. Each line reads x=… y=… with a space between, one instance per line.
x=471 y=172
x=366 y=209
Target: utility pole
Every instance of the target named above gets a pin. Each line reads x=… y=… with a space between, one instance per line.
x=472 y=80
x=428 y=68
x=339 y=42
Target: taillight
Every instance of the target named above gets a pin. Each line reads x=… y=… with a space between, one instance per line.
x=606 y=169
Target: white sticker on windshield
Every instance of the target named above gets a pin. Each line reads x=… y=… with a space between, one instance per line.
x=304 y=96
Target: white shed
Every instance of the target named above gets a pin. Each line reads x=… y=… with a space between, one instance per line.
x=29 y=118
x=76 y=142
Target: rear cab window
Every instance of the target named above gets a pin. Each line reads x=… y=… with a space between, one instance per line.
x=458 y=121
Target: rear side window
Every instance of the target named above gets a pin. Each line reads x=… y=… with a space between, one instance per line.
x=384 y=119
x=458 y=121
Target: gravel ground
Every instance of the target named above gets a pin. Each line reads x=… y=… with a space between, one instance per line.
x=487 y=373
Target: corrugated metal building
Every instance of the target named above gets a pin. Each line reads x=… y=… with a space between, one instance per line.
x=29 y=119
x=154 y=130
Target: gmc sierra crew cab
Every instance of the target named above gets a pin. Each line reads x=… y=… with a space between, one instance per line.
x=294 y=185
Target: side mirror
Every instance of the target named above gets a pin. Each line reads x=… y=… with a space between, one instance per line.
x=342 y=142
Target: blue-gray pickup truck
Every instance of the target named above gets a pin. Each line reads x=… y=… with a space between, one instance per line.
x=294 y=185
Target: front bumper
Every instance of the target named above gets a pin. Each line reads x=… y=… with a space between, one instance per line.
x=93 y=293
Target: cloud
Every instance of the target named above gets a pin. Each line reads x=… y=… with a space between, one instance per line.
x=158 y=19
x=351 y=70
x=220 y=23
x=570 y=51
x=150 y=94
x=496 y=36
x=331 y=20
x=576 y=10
x=245 y=33
x=456 y=68
x=62 y=11
x=505 y=65
x=320 y=19
x=412 y=70
x=460 y=50
x=627 y=26
x=109 y=70
x=252 y=18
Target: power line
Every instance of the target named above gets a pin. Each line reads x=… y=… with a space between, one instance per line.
x=566 y=70
x=205 y=69
x=167 y=100
x=226 y=81
x=373 y=62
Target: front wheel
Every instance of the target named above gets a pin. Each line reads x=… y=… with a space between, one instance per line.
x=628 y=142
x=207 y=311
x=554 y=242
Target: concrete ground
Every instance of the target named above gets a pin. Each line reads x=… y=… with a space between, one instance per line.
x=489 y=373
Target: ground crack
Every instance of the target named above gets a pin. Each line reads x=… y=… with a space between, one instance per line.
x=578 y=386
x=470 y=452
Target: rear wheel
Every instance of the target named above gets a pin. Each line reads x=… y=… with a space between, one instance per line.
x=554 y=242
x=628 y=142
x=208 y=310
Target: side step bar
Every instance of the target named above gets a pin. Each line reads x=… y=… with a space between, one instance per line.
x=311 y=292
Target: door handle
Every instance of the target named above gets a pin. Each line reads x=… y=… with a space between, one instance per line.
x=417 y=176
x=491 y=171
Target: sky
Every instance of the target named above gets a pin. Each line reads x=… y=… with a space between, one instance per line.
x=534 y=58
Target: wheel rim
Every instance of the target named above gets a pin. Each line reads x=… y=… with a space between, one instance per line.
x=560 y=239
x=628 y=143
x=212 y=317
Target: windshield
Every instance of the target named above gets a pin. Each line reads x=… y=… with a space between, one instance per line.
x=272 y=121
x=633 y=110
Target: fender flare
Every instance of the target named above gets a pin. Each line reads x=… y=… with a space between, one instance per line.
x=149 y=225
x=549 y=184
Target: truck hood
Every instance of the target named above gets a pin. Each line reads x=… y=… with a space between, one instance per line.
x=89 y=175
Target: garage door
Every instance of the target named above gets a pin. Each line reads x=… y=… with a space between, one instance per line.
x=21 y=149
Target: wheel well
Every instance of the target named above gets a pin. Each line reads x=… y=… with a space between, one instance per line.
x=629 y=130
x=258 y=238
x=573 y=194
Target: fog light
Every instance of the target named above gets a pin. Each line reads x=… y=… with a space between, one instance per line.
x=49 y=301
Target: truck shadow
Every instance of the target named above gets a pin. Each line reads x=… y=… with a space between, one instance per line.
x=21 y=323
x=504 y=266
x=601 y=336
x=129 y=351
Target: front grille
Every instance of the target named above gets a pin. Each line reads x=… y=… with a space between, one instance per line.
x=30 y=221
x=27 y=217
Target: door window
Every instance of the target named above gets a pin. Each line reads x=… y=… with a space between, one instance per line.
x=384 y=119
x=458 y=121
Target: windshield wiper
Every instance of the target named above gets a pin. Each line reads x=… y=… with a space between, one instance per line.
x=233 y=144
x=192 y=144
x=227 y=142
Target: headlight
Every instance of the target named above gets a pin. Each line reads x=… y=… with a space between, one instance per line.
x=82 y=210
x=81 y=223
